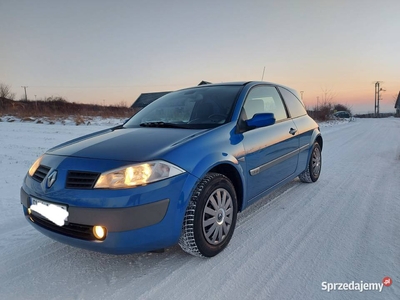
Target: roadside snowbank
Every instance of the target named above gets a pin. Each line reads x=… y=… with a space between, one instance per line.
x=72 y=120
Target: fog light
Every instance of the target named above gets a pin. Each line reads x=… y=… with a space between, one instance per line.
x=99 y=232
x=29 y=211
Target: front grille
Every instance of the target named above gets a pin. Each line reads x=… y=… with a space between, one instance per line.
x=83 y=232
x=41 y=173
x=81 y=180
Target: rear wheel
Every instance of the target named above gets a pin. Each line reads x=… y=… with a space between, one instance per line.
x=210 y=218
x=313 y=170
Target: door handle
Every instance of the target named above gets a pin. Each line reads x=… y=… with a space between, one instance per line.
x=292 y=131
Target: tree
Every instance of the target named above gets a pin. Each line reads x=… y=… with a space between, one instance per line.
x=327 y=96
x=5 y=92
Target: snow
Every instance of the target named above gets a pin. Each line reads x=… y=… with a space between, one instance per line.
x=82 y=120
x=342 y=229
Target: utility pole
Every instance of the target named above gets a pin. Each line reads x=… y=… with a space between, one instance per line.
x=26 y=96
x=376 y=97
x=378 y=90
x=301 y=93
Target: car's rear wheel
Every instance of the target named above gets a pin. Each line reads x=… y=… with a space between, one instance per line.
x=313 y=170
x=210 y=218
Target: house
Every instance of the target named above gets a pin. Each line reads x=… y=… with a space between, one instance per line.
x=204 y=82
x=146 y=98
x=397 y=106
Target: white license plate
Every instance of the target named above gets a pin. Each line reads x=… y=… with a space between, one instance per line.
x=56 y=213
x=36 y=201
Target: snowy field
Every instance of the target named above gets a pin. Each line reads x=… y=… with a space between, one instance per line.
x=294 y=244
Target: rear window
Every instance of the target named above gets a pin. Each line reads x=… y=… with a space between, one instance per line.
x=294 y=104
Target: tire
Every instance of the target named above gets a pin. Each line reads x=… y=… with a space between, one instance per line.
x=210 y=217
x=313 y=170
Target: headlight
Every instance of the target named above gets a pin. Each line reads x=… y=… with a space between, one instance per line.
x=34 y=167
x=135 y=175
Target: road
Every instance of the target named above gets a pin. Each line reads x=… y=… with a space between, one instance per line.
x=344 y=228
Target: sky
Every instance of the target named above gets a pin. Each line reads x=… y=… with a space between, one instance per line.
x=109 y=52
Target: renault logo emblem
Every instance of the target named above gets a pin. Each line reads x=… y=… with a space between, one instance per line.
x=51 y=179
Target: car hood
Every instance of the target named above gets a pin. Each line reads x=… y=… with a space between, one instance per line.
x=126 y=144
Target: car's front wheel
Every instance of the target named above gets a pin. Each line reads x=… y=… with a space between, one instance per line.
x=313 y=170
x=210 y=217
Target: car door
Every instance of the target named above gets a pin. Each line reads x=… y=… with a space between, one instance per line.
x=271 y=153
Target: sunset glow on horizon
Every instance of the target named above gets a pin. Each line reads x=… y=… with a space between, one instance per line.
x=108 y=53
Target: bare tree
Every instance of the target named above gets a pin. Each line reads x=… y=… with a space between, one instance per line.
x=5 y=91
x=327 y=96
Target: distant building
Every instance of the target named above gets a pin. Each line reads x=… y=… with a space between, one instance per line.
x=146 y=98
x=204 y=82
x=397 y=106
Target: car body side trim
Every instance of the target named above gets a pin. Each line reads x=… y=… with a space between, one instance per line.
x=302 y=148
x=278 y=160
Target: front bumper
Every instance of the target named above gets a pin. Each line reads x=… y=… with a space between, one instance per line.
x=137 y=220
x=114 y=219
x=119 y=242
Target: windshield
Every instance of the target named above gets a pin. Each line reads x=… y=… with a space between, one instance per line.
x=197 y=108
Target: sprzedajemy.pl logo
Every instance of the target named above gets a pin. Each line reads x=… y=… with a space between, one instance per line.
x=356 y=286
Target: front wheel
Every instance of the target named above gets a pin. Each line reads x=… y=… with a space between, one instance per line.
x=313 y=170
x=210 y=217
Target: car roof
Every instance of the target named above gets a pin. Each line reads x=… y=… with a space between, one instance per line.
x=243 y=83
x=239 y=83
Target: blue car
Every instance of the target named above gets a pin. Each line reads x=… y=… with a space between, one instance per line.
x=178 y=171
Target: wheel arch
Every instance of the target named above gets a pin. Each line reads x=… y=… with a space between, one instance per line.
x=232 y=173
x=319 y=140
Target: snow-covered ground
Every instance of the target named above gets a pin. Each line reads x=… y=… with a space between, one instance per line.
x=71 y=120
x=343 y=229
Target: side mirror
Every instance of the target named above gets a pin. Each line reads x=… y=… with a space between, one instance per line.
x=261 y=120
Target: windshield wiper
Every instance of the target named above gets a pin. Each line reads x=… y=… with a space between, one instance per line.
x=161 y=124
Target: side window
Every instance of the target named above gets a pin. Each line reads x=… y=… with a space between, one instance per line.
x=263 y=99
x=294 y=104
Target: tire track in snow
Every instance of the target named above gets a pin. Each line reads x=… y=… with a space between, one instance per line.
x=344 y=227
